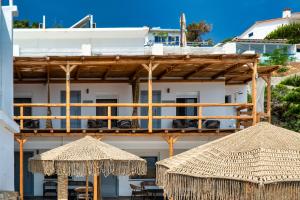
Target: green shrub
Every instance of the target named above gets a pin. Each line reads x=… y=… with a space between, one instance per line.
x=290 y=32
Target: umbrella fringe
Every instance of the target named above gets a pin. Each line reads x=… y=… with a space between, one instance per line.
x=81 y=168
x=161 y=172
x=182 y=187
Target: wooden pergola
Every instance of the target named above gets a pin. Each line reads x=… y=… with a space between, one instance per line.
x=230 y=69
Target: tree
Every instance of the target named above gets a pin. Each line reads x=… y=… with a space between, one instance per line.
x=286 y=103
x=290 y=32
x=25 y=24
x=196 y=30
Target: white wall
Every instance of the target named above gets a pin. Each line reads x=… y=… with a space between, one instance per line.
x=7 y=125
x=43 y=42
x=6 y=160
x=262 y=29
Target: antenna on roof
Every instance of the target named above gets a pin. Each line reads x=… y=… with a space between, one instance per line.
x=86 y=22
x=43 y=24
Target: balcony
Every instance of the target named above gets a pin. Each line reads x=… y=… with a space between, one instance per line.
x=197 y=126
x=140 y=69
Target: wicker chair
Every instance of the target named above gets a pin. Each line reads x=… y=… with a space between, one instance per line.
x=137 y=192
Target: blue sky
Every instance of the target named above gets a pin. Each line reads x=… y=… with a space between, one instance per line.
x=228 y=17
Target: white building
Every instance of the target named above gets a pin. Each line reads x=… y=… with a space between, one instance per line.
x=253 y=39
x=106 y=63
x=7 y=126
x=260 y=29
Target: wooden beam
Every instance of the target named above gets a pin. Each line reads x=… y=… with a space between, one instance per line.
x=105 y=75
x=197 y=70
x=19 y=74
x=77 y=73
x=166 y=71
x=59 y=81
x=227 y=70
x=136 y=74
x=254 y=93
x=228 y=59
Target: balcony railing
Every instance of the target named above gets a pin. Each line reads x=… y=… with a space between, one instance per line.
x=247 y=116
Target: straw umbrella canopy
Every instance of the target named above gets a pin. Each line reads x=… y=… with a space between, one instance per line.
x=258 y=163
x=84 y=157
x=183 y=41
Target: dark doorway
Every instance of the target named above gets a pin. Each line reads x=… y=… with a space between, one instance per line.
x=102 y=111
x=156 y=98
x=76 y=111
x=186 y=111
x=28 y=176
x=109 y=186
x=27 y=110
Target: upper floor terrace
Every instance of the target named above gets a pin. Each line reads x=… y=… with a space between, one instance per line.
x=97 y=42
x=174 y=94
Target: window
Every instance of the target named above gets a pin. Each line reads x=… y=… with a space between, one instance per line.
x=160 y=39
x=151 y=168
x=250 y=34
x=228 y=99
x=177 y=40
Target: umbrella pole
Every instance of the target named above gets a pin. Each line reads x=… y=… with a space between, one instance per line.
x=100 y=196
x=62 y=187
x=86 y=187
x=95 y=196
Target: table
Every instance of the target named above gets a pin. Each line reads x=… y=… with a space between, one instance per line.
x=154 y=191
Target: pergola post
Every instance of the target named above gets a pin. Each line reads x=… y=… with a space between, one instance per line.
x=49 y=113
x=150 y=120
x=269 y=93
x=68 y=69
x=21 y=142
x=62 y=187
x=267 y=79
x=171 y=141
x=254 y=93
x=150 y=68
x=68 y=101
x=135 y=99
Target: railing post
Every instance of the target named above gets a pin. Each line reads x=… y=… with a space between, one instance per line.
x=254 y=93
x=199 y=117
x=21 y=117
x=238 y=123
x=109 y=117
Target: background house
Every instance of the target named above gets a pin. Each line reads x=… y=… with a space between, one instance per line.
x=253 y=39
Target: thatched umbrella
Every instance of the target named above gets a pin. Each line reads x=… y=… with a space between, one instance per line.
x=183 y=41
x=258 y=163
x=84 y=157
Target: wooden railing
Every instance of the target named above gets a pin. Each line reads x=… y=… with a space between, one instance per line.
x=110 y=117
